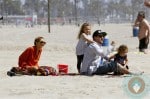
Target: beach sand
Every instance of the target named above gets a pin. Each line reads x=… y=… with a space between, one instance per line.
x=60 y=49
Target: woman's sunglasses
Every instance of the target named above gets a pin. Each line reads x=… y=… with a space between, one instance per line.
x=42 y=42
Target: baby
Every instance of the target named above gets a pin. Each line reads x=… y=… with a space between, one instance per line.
x=111 y=48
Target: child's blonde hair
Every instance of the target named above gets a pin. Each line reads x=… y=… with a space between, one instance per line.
x=122 y=49
x=82 y=29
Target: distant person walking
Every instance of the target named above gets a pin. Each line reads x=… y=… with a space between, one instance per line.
x=144 y=31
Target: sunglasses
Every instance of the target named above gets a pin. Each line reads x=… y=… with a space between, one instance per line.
x=100 y=36
x=42 y=42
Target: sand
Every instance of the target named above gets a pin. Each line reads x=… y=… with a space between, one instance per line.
x=60 y=49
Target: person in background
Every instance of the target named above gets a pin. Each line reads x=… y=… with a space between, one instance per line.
x=121 y=57
x=144 y=31
x=84 y=39
x=28 y=60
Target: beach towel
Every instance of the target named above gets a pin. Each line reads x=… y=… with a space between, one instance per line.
x=42 y=71
x=46 y=70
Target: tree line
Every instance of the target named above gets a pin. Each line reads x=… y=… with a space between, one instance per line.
x=76 y=10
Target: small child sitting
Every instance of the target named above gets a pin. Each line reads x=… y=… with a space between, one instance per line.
x=121 y=57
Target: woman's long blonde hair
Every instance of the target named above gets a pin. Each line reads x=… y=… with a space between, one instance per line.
x=82 y=29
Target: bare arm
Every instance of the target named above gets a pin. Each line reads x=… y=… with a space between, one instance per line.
x=126 y=62
x=148 y=28
x=86 y=38
x=136 y=23
x=111 y=57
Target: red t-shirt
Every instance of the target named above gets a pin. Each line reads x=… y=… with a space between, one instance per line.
x=30 y=57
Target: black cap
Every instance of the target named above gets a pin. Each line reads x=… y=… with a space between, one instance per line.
x=99 y=33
